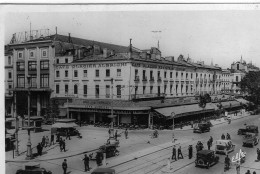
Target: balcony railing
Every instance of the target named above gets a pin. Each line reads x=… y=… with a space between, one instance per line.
x=152 y=79
x=136 y=79
x=159 y=79
x=144 y=78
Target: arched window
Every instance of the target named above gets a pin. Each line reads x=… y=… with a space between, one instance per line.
x=237 y=66
x=75 y=89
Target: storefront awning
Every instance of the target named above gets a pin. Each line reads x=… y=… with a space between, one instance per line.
x=243 y=101
x=230 y=104
x=185 y=110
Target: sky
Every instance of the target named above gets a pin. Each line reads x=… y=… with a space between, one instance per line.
x=218 y=36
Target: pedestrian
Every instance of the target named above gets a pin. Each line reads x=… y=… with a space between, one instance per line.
x=86 y=162
x=238 y=167
x=248 y=172
x=190 y=151
x=64 y=145
x=61 y=144
x=180 y=153
x=109 y=132
x=223 y=137
x=52 y=139
x=254 y=172
x=67 y=134
x=173 y=137
x=116 y=135
x=126 y=133
x=43 y=141
x=258 y=154
x=211 y=140
x=39 y=149
x=208 y=144
x=46 y=141
x=64 y=166
x=174 y=153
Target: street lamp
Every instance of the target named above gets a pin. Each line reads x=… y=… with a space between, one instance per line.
x=29 y=144
x=112 y=112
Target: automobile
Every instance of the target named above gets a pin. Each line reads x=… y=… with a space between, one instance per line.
x=250 y=140
x=103 y=171
x=109 y=149
x=72 y=131
x=250 y=129
x=201 y=127
x=32 y=168
x=224 y=146
x=206 y=158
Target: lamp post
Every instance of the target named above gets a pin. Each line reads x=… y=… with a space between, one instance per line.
x=29 y=144
x=112 y=111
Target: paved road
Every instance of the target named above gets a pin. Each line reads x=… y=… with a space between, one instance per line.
x=153 y=163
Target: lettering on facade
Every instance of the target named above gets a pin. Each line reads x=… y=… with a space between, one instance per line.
x=91 y=65
x=157 y=66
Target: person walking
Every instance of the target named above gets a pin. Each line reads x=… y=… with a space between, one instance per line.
x=116 y=135
x=190 y=151
x=67 y=134
x=173 y=137
x=208 y=144
x=61 y=144
x=52 y=140
x=174 y=153
x=248 y=172
x=211 y=140
x=39 y=149
x=64 y=166
x=238 y=167
x=180 y=153
x=47 y=141
x=223 y=137
x=64 y=145
x=126 y=133
x=86 y=162
x=43 y=141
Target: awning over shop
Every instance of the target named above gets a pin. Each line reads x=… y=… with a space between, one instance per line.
x=243 y=101
x=230 y=104
x=185 y=110
x=64 y=125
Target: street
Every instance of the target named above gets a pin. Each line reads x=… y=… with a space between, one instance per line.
x=141 y=154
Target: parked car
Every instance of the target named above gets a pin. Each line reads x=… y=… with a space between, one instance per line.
x=224 y=146
x=201 y=127
x=206 y=158
x=33 y=168
x=249 y=129
x=250 y=140
x=103 y=171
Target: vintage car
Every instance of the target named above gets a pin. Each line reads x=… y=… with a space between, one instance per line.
x=201 y=127
x=249 y=129
x=32 y=168
x=109 y=149
x=103 y=171
x=206 y=158
x=224 y=146
x=250 y=140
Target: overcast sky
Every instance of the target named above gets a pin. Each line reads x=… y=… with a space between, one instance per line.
x=220 y=36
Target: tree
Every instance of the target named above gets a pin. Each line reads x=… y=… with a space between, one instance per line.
x=52 y=110
x=250 y=85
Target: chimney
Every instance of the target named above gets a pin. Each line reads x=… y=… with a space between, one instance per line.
x=104 y=52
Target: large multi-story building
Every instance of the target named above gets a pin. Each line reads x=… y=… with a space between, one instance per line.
x=226 y=81
x=90 y=80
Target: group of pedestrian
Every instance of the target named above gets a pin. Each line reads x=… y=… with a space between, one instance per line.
x=248 y=172
x=210 y=142
x=62 y=144
x=174 y=156
x=44 y=143
x=199 y=146
x=223 y=137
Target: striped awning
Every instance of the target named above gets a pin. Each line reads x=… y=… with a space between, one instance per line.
x=184 y=110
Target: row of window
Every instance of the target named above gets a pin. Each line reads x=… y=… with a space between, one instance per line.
x=32 y=65
x=44 y=81
x=85 y=90
x=32 y=54
x=85 y=73
x=171 y=74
